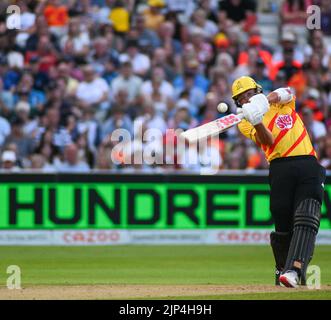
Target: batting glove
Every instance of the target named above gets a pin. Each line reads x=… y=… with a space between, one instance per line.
x=252 y=113
x=261 y=102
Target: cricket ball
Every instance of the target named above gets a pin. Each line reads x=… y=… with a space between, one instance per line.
x=222 y=107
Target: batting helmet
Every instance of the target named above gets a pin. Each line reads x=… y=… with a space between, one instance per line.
x=243 y=84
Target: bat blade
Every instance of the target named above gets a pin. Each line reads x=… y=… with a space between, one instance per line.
x=212 y=128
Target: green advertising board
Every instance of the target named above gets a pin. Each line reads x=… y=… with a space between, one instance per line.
x=138 y=202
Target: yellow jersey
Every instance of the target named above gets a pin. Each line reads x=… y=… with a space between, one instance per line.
x=288 y=130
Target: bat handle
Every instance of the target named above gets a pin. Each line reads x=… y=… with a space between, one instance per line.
x=240 y=115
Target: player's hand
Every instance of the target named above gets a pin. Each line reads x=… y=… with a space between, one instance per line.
x=239 y=111
x=261 y=101
x=273 y=97
x=252 y=113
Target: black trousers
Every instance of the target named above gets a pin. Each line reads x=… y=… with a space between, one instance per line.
x=292 y=180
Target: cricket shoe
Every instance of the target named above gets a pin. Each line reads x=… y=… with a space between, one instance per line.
x=289 y=279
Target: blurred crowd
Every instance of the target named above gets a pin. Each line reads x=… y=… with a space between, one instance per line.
x=77 y=70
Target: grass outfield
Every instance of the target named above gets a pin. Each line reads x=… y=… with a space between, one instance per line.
x=194 y=272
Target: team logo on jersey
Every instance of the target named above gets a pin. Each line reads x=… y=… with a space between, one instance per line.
x=284 y=121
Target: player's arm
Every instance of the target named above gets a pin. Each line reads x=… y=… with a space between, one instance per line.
x=263 y=135
x=281 y=96
x=258 y=133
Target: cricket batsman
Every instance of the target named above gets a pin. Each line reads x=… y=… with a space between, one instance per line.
x=296 y=178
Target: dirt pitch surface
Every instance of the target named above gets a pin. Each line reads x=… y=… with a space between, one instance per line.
x=91 y=292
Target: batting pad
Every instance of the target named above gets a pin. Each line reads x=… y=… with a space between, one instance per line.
x=306 y=225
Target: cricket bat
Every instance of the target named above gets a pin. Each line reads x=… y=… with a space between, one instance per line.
x=212 y=128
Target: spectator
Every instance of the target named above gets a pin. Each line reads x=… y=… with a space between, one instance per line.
x=104 y=161
x=6 y=91
x=41 y=29
x=221 y=42
x=41 y=79
x=317 y=45
x=288 y=43
x=195 y=95
x=295 y=11
x=25 y=144
x=71 y=163
x=171 y=45
x=316 y=129
x=24 y=91
x=224 y=64
x=117 y=120
x=28 y=20
x=101 y=54
x=80 y=40
x=255 y=38
x=48 y=151
x=289 y=65
x=236 y=157
x=203 y=50
x=8 y=161
x=46 y=52
x=256 y=160
x=210 y=7
x=192 y=68
x=158 y=82
x=153 y=15
x=29 y=126
x=93 y=91
x=182 y=119
x=149 y=119
x=130 y=108
x=5 y=130
x=88 y=125
x=160 y=59
x=120 y=17
x=255 y=42
x=85 y=154
x=64 y=72
x=179 y=23
x=260 y=74
x=199 y=19
x=313 y=101
x=239 y=11
x=147 y=39
x=57 y=133
x=38 y=163
x=247 y=67
x=127 y=81
x=140 y=62
x=183 y=7
x=220 y=87
x=56 y=16
x=293 y=15
x=326 y=18
x=326 y=157
x=205 y=159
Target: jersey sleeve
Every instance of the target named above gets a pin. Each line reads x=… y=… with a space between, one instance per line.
x=247 y=129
